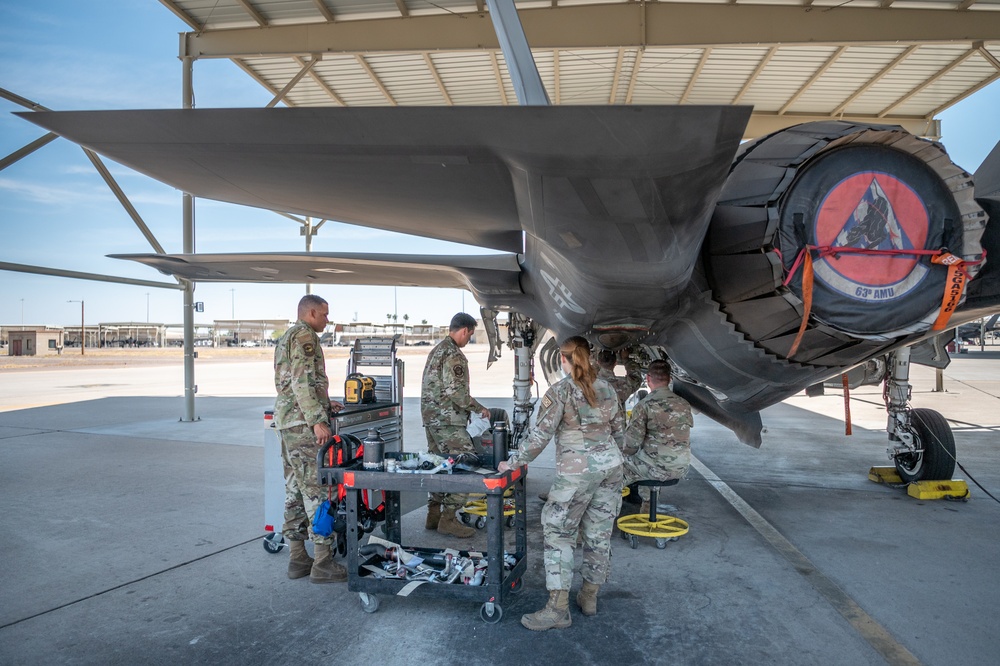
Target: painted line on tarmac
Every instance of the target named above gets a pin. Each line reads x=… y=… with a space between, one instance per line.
x=876 y=635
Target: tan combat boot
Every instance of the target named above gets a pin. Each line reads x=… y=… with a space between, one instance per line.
x=555 y=615
x=324 y=569
x=586 y=598
x=450 y=525
x=433 y=516
x=299 y=563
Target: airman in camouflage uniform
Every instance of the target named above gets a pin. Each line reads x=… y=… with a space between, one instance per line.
x=623 y=386
x=657 y=440
x=302 y=419
x=586 y=495
x=445 y=405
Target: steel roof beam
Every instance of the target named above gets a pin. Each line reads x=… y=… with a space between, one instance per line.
x=324 y=10
x=318 y=80
x=766 y=122
x=306 y=68
x=929 y=81
x=602 y=26
x=812 y=79
x=374 y=77
x=437 y=79
x=875 y=79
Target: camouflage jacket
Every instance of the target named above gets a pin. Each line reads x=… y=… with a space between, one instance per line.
x=660 y=424
x=444 y=391
x=623 y=386
x=587 y=438
x=300 y=379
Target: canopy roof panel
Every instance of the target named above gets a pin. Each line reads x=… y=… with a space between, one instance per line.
x=794 y=60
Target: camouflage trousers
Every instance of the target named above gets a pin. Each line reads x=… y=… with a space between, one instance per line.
x=303 y=493
x=585 y=504
x=667 y=466
x=445 y=440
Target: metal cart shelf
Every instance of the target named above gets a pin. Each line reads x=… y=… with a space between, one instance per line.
x=497 y=584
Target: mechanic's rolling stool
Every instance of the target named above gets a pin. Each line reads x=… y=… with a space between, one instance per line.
x=656 y=525
x=474 y=511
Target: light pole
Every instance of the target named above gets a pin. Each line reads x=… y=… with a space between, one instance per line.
x=233 y=314
x=147 y=307
x=22 y=314
x=83 y=331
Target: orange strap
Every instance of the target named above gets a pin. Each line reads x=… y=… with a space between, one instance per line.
x=954 y=286
x=847 y=404
x=807 y=299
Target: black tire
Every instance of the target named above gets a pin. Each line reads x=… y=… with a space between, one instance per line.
x=273 y=542
x=934 y=436
x=491 y=619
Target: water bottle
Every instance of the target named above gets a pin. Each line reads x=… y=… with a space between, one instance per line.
x=374 y=448
x=500 y=436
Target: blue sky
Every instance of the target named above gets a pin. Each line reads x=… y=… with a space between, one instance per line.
x=56 y=211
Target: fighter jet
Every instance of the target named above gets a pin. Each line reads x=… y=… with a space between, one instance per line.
x=759 y=269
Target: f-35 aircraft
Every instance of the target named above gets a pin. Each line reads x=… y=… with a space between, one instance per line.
x=759 y=270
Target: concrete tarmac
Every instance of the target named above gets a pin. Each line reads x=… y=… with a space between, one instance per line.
x=134 y=537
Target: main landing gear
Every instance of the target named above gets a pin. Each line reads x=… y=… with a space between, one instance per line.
x=921 y=443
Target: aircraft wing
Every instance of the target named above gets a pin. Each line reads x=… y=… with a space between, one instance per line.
x=489 y=275
x=474 y=175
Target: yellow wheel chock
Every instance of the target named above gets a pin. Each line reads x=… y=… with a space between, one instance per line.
x=477 y=507
x=663 y=529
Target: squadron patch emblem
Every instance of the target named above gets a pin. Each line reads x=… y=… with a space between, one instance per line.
x=546 y=401
x=459 y=371
x=873 y=211
x=308 y=348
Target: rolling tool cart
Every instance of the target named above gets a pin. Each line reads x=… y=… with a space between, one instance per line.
x=503 y=572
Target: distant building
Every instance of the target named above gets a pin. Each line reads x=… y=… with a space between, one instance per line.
x=34 y=341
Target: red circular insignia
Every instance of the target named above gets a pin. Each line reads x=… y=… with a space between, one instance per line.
x=873 y=211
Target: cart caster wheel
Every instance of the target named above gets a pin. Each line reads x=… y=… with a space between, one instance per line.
x=273 y=542
x=369 y=602
x=466 y=518
x=480 y=522
x=510 y=521
x=633 y=541
x=491 y=617
x=342 y=547
x=624 y=536
x=517 y=586
x=661 y=543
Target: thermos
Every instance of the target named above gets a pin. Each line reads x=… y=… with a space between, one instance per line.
x=374 y=450
x=500 y=436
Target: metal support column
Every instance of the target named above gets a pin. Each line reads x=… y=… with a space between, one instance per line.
x=190 y=389
x=517 y=54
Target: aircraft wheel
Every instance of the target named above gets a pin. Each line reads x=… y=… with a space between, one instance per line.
x=934 y=436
